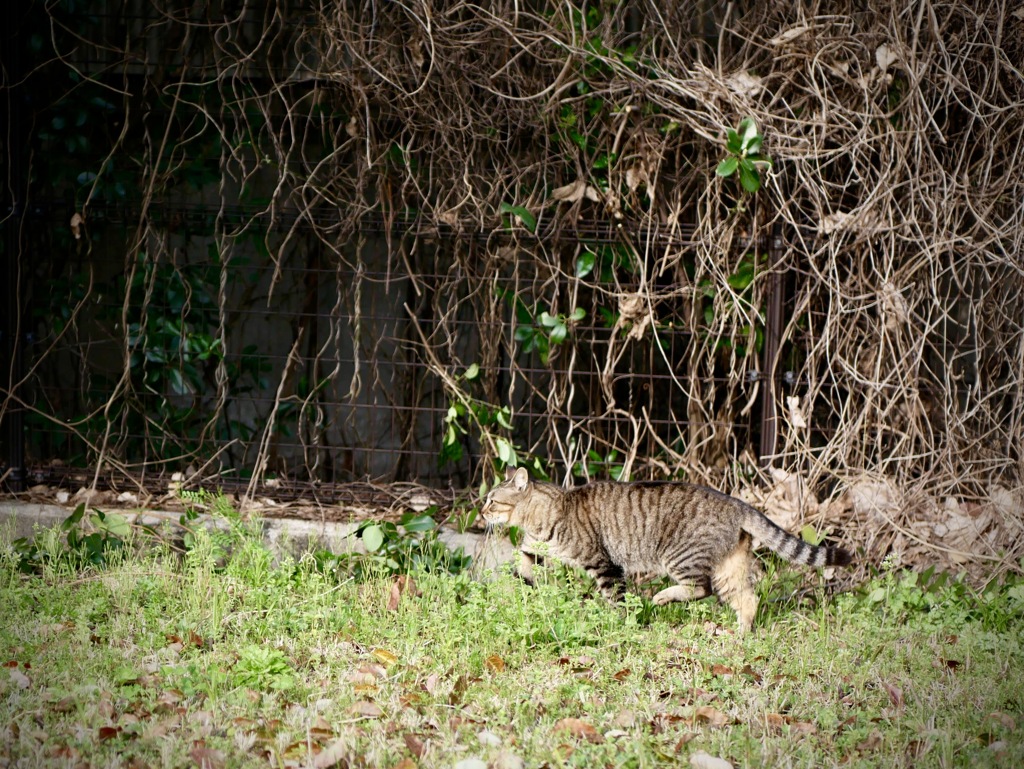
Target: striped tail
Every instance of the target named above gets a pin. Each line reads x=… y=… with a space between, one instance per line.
x=792 y=548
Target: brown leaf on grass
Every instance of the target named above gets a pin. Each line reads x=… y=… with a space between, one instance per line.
x=386 y=658
x=367 y=674
x=405 y=763
x=108 y=732
x=430 y=684
x=704 y=714
x=580 y=729
x=916 y=749
x=895 y=694
x=195 y=639
x=64 y=705
x=721 y=670
x=803 y=727
x=951 y=665
x=64 y=752
x=206 y=758
x=320 y=730
x=366 y=709
x=775 y=722
x=415 y=744
x=410 y=699
x=622 y=675
x=461 y=684
x=403 y=584
x=625 y=719
x=701 y=760
x=714 y=629
x=749 y=671
x=872 y=742
x=495 y=664
x=684 y=740
x=330 y=756
x=19 y=679
x=1005 y=720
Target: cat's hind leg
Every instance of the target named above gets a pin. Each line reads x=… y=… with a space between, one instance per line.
x=685 y=590
x=733 y=581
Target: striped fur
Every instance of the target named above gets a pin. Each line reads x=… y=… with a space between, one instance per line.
x=699 y=537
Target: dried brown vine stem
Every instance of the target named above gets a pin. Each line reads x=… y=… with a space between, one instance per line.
x=897 y=134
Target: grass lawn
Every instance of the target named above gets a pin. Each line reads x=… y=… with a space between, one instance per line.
x=159 y=659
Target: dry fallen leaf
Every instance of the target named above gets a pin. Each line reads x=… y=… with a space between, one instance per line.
x=403 y=584
x=710 y=716
x=330 y=756
x=367 y=674
x=495 y=664
x=507 y=760
x=702 y=760
x=895 y=694
x=1005 y=720
x=405 y=763
x=415 y=744
x=207 y=758
x=625 y=719
x=872 y=741
x=430 y=685
x=366 y=709
x=579 y=729
x=622 y=675
x=385 y=657
x=19 y=679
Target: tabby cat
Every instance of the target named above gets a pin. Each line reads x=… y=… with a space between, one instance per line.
x=699 y=537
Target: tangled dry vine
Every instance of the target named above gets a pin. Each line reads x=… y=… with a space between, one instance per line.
x=546 y=157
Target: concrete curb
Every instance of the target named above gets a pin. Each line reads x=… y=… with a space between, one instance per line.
x=284 y=536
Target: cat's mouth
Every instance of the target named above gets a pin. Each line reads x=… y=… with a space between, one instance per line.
x=494 y=516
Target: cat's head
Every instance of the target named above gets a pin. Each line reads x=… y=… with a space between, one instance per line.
x=502 y=503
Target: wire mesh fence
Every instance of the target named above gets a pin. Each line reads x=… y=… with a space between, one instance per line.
x=329 y=242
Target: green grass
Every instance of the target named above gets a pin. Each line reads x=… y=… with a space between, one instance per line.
x=154 y=659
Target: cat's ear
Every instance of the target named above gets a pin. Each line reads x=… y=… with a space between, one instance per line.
x=521 y=479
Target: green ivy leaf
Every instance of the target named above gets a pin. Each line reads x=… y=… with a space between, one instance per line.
x=73 y=519
x=748 y=132
x=585 y=264
x=558 y=333
x=749 y=177
x=373 y=538
x=506 y=453
x=733 y=143
x=473 y=371
x=547 y=320
x=578 y=314
x=419 y=523
x=112 y=523
x=503 y=417
x=529 y=220
x=728 y=166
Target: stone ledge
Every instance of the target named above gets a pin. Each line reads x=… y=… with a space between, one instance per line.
x=282 y=535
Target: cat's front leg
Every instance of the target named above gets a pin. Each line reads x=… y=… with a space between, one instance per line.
x=525 y=568
x=610 y=578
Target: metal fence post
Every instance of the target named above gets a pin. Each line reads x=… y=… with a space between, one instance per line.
x=772 y=345
x=15 y=185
